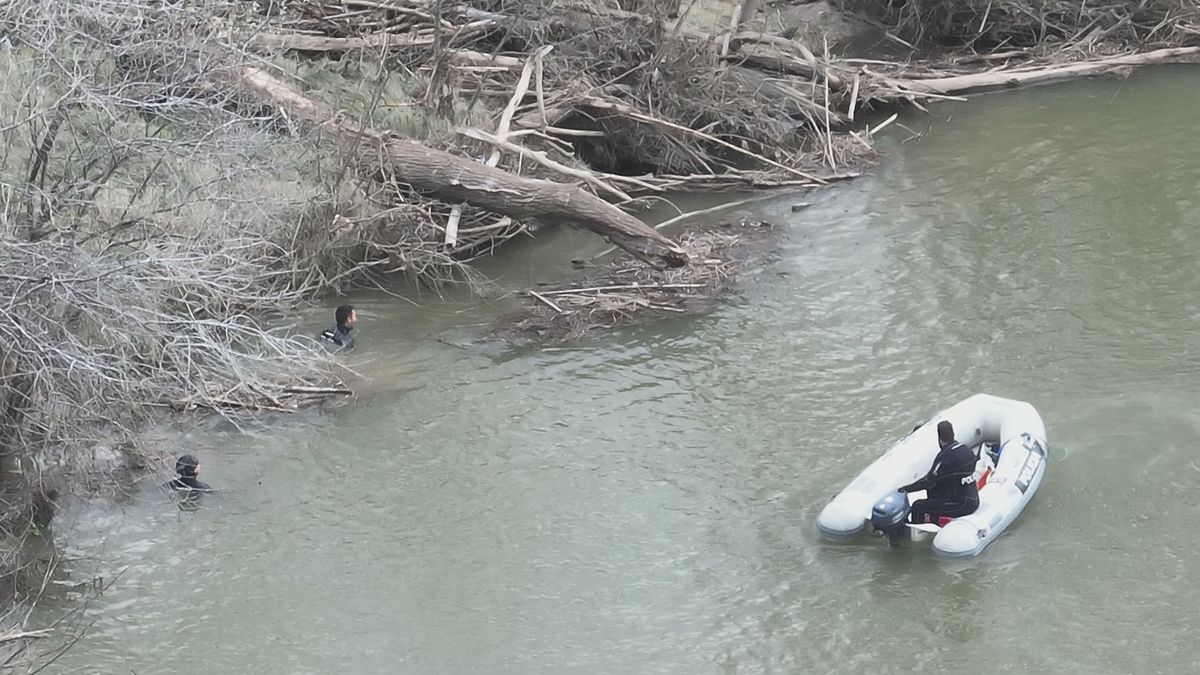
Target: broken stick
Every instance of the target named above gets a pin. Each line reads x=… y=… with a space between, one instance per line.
x=501 y=134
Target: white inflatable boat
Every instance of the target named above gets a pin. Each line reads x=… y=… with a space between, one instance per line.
x=1010 y=440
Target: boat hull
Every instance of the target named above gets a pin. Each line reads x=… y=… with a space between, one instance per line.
x=1015 y=426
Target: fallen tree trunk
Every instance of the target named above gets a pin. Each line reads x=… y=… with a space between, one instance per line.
x=768 y=58
x=456 y=179
x=321 y=43
x=376 y=42
x=1033 y=75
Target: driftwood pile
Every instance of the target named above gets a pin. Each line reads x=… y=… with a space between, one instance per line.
x=628 y=102
x=648 y=105
x=620 y=291
x=622 y=104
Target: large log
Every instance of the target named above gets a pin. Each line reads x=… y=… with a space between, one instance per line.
x=375 y=42
x=768 y=58
x=321 y=43
x=1032 y=75
x=457 y=179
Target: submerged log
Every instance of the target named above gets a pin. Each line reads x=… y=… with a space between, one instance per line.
x=454 y=179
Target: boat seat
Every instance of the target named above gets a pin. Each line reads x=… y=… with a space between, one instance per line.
x=942 y=521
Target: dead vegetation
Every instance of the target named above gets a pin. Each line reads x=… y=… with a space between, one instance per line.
x=665 y=108
x=998 y=25
x=147 y=230
x=629 y=101
x=649 y=107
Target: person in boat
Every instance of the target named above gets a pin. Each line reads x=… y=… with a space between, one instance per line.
x=950 y=482
x=345 y=317
x=187 y=482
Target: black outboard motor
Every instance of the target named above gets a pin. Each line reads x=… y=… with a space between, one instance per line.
x=890 y=515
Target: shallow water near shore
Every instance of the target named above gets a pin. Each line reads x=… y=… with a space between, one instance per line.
x=644 y=501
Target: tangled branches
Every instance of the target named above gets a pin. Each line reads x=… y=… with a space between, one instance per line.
x=147 y=229
x=677 y=82
x=622 y=91
x=91 y=331
x=995 y=24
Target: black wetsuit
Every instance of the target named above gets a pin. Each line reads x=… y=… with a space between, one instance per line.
x=338 y=335
x=188 y=484
x=952 y=490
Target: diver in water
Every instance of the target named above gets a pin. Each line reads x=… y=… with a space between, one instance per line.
x=950 y=481
x=188 y=468
x=345 y=318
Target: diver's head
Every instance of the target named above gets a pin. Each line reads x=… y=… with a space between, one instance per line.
x=187 y=465
x=346 y=316
x=945 y=433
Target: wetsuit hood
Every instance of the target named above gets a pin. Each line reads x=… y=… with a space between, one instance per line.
x=186 y=465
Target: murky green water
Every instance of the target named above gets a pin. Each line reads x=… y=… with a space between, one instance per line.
x=645 y=501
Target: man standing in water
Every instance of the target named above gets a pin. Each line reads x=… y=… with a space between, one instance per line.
x=339 y=335
x=187 y=482
x=950 y=481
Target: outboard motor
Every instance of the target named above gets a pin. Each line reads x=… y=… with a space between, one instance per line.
x=890 y=516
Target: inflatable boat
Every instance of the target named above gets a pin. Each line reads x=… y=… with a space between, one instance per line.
x=1009 y=438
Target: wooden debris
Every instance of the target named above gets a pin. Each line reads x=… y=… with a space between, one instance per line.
x=621 y=291
x=1033 y=75
x=26 y=635
x=501 y=134
x=546 y=301
x=457 y=179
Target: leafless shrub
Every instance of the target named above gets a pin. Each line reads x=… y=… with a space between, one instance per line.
x=152 y=223
x=150 y=228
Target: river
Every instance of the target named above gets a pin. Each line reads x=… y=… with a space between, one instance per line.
x=645 y=501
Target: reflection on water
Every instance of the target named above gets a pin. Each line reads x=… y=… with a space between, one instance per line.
x=645 y=502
